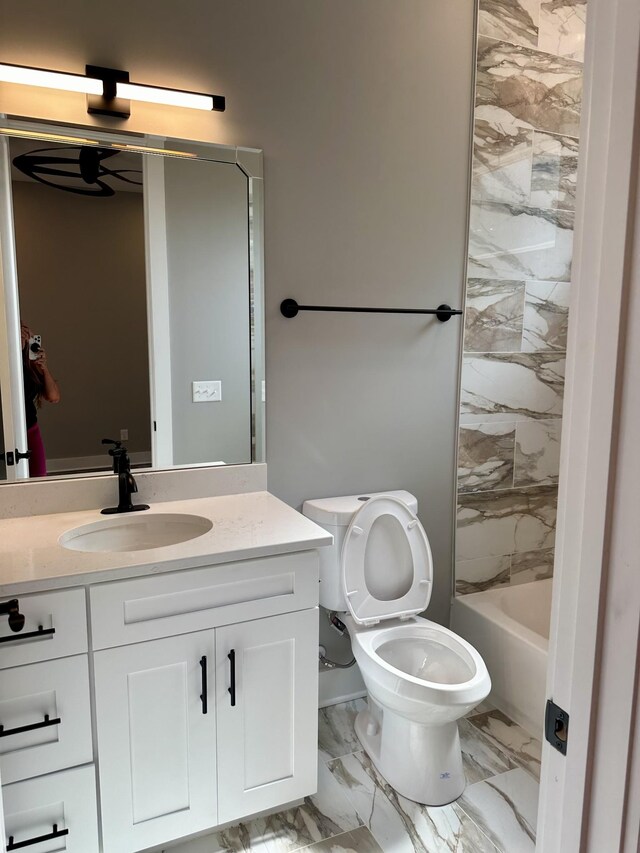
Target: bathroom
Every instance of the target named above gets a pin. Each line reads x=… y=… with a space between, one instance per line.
x=363 y=111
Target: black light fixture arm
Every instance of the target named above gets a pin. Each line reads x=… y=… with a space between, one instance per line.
x=289 y=308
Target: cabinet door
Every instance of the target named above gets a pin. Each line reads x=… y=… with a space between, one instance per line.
x=267 y=740
x=156 y=744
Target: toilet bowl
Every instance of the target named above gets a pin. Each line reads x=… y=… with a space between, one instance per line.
x=420 y=676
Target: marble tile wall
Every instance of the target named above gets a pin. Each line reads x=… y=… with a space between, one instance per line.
x=526 y=128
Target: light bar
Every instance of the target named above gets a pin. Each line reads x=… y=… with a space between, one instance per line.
x=169 y=97
x=109 y=90
x=49 y=79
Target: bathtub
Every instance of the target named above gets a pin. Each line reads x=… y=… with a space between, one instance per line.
x=509 y=626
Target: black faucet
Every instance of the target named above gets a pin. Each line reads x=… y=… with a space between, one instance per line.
x=126 y=483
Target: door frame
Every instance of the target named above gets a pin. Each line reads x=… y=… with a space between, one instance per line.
x=13 y=413
x=585 y=795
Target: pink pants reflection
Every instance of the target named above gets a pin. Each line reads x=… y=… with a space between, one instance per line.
x=38 y=460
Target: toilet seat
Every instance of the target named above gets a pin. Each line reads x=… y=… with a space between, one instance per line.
x=386 y=563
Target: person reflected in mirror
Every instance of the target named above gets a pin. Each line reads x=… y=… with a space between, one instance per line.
x=39 y=386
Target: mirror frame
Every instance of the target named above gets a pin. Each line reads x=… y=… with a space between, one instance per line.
x=250 y=162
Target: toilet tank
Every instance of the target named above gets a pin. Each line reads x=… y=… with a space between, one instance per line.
x=335 y=514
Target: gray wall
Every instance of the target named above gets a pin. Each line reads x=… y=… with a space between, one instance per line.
x=363 y=111
x=81 y=282
x=208 y=262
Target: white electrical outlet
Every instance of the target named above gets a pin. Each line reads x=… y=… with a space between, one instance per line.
x=124 y=435
x=207 y=391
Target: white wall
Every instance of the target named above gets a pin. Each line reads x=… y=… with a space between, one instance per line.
x=363 y=110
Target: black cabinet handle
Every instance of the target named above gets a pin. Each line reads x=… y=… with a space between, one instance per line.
x=41 y=632
x=18 y=845
x=20 y=729
x=232 y=689
x=25 y=455
x=203 y=695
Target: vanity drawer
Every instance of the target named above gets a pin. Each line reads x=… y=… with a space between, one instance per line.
x=61 y=806
x=62 y=616
x=157 y=606
x=51 y=701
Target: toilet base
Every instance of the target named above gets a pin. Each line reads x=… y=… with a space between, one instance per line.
x=423 y=763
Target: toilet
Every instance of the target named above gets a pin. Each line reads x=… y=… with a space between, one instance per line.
x=420 y=677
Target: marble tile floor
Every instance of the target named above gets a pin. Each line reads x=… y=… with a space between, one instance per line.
x=356 y=810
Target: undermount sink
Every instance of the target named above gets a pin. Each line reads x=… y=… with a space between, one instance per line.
x=136 y=533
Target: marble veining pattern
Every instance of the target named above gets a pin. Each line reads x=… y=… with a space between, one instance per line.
x=510 y=241
x=401 y=825
x=524 y=178
x=522 y=748
x=532 y=566
x=506 y=809
x=554 y=171
x=522 y=385
x=546 y=316
x=537 y=453
x=502 y=160
x=356 y=811
x=494 y=315
x=562 y=27
x=322 y=816
x=515 y=21
x=359 y=841
x=482 y=573
x=485 y=456
x=494 y=524
x=543 y=90
x=336 y=733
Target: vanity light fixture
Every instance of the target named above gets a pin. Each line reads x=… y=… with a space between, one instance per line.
x=108 y=90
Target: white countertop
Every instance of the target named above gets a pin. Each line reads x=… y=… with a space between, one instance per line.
x=245 y=526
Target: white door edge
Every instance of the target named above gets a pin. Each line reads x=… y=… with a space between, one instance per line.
x=589 y=433
x=11 y=381
x=158 y=313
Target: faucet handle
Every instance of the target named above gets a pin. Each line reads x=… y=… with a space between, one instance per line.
x=119 y=454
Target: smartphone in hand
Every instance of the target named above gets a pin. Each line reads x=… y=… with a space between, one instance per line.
x=35 y=345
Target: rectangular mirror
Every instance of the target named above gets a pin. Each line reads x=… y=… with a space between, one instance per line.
x=130 y=302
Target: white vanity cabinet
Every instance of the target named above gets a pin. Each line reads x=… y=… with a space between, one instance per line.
x=153 y=696
x=202 y=728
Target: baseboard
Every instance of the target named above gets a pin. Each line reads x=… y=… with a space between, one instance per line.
x=340 y=685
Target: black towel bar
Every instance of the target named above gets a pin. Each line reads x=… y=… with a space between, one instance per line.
x=289 y=308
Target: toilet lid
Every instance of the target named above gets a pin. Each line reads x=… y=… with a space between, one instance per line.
x=387 y=569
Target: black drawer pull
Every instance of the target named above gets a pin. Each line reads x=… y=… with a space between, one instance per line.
x=20 y=729
x=41 y=632
x=18 y=845
x=232 y=689
x=203 y=696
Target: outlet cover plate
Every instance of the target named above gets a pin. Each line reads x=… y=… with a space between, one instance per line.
x=207 y=391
